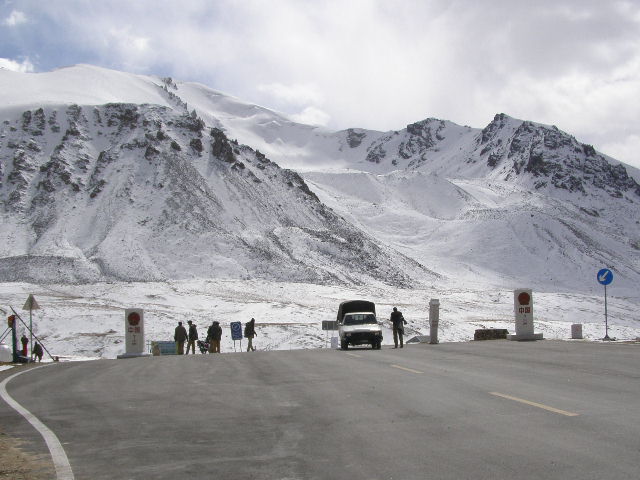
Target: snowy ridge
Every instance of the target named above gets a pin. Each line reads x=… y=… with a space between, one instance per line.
x=505 y=193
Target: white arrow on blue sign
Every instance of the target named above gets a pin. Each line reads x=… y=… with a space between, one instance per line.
x=236 y=331
x=605 y=276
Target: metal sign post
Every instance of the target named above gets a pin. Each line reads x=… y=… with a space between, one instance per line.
x=605 y=277
x=434 y=319
x=236 y=334
x=31 y=305
x=328 y=325
x=11 y=321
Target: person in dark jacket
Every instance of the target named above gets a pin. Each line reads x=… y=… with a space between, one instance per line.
x=398 y=326
x=249 y=333
x=37 y=351
x=180 y=337
x=214 y=335
x=193 y=336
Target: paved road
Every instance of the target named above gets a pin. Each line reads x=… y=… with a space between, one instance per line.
x=480 y=410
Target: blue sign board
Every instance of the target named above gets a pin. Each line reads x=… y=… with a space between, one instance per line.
x=236 y=331
x=164 y=348
x=605 y=276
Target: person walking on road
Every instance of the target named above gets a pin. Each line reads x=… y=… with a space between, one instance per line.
x=398 y=326
x=180 y=337
x=249 y=333
x=193 y=336
x=214 y=334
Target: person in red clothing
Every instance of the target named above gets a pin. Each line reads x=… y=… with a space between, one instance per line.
x=25 y=342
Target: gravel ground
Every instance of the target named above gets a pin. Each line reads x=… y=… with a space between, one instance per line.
x=18 y=464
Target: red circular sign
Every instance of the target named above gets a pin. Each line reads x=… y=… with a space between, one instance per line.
x=134 y=318
x=524 y=298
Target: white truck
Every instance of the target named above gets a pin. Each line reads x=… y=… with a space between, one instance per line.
x=358 y=325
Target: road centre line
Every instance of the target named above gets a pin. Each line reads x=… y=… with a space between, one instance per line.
x=534 y=404
x=406 y=369
x=58 y=455
x=353 y=355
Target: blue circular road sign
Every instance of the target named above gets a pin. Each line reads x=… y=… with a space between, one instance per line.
x=605 y=276
x=236 y=331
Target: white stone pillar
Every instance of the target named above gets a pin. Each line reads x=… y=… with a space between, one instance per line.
x=523 y=311
x=134 y=333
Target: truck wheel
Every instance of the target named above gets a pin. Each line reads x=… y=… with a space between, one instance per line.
x=344 y=345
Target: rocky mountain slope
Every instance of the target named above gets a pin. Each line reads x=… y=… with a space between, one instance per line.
x=159 y=185
x=147 y=192
x=513 y=203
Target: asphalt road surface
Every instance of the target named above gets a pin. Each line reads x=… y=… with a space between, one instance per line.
x=480 y=410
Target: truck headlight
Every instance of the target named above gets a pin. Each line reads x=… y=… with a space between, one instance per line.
x=347 y=334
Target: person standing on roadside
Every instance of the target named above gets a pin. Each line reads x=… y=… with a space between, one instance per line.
x=249 y=333
x=37 y=351
x=193 y=336
x=25 y=341
x=398 y=326
x=180 y=336
x=214 y=333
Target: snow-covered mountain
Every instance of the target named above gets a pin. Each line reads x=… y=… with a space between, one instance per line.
x=513 y=203
x=109 y=175
x=126 y=191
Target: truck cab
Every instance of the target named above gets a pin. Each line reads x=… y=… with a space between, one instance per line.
x=358 y=325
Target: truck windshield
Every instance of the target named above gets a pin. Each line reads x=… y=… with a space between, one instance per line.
x=359 y=318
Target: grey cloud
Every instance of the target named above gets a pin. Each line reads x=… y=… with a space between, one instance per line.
x=375 y=64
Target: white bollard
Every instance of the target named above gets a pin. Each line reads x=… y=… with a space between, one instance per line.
x=434 y=319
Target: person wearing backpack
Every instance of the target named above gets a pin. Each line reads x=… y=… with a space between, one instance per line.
x=37 y=351
x=192 y=337
x=249 y=333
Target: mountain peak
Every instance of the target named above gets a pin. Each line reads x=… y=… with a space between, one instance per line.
x=109 y=175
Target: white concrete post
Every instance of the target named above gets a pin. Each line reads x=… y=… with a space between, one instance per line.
x=434 y=318
x=523 y=307
x=523 y=311
x=134 y=333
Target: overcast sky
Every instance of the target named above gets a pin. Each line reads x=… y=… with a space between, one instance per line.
x=365 y=63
